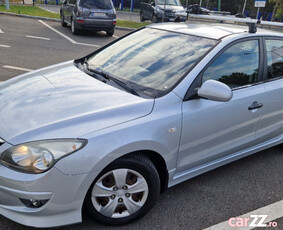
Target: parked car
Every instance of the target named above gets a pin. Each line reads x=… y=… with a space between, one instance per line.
x=154 y=10
x=95 y=15
x=196 y=9
x=112 y=130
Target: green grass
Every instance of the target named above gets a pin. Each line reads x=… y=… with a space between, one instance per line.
x=36 y=11
x=131 y=24
x=29 y=10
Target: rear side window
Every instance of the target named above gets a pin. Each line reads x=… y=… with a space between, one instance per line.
x=237 y=66
x=274 y=49
x=96 y=4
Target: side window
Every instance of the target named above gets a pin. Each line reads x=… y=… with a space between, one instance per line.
x=73 y=2
x=237 y=66
x=274 y=49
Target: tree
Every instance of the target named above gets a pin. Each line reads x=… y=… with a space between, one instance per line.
x=277 y=9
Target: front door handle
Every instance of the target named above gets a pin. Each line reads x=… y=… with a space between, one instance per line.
x=255 y=105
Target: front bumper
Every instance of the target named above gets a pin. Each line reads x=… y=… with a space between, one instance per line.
x=171 y=17
x=95 y=24
x=65 y=195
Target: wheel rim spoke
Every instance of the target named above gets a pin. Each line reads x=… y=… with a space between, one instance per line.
x=132 y=206
x=101 y=191
x=139 y=186
x=120 y=177
x=119 y=193
x=109 y=209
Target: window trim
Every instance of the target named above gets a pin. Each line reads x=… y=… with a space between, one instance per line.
x=192 y=91
x=265 y=73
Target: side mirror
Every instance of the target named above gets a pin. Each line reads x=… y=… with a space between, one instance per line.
x=215 y=91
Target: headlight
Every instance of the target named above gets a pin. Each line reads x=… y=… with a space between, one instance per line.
x=159 y=10
x=39 y=156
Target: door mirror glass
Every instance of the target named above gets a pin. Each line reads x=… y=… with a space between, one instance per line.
x=215 y=91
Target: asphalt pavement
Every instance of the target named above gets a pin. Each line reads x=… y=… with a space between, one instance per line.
x=30 y=44
x=229 y=191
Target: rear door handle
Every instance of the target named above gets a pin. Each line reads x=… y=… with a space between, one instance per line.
x=255 y=105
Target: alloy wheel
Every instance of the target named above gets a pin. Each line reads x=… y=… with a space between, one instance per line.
x=119 y=193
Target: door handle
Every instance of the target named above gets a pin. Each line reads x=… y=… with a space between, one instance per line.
x=255 y=105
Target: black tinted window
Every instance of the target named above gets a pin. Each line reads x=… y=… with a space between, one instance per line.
x=96 y=4
x=237 y=66
x=169 y=2
x=274 y=50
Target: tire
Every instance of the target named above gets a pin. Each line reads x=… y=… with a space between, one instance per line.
x=120 y=200
x=110 y=33
x=154 y=19
x=74 y=30
x=141 y=17
x=63 y=23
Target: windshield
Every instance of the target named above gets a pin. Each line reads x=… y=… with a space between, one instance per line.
x=150 y=60
x=96 y=4
x=169 y=2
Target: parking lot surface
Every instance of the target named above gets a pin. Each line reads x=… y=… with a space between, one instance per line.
x=230 y=191
x=32 y=44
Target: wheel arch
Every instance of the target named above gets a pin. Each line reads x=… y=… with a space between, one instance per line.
x=159 y=164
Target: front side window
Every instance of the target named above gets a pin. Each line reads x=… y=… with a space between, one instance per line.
x=151 y=60
x=237 y=66
x=274 y=49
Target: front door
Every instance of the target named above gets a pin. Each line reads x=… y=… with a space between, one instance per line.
x=212 y=130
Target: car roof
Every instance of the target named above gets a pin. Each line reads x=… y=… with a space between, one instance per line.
x=211 y=30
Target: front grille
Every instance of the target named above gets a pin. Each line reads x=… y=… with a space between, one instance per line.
x=1 y=141
x=169 y=13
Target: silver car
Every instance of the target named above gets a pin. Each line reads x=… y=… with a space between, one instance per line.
x=114 y=129
x=95 y=15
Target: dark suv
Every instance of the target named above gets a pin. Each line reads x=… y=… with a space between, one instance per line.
x=154 y=9
x=96 y=15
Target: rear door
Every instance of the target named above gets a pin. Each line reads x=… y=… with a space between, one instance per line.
x=212 y=130
x=271 y=125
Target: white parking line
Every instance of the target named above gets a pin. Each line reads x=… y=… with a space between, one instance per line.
x=273 y=211
x=17 y=68
x=5 y=46
x=1 y=32
x=66 y=37
x=114 y=36
x=41 y=38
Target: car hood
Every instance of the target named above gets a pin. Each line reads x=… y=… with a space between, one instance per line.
x=63 y=102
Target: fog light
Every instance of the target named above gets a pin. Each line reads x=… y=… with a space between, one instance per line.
x=32 y=203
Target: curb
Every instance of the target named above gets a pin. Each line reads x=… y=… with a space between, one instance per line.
x=30 y=16
x=54 y=19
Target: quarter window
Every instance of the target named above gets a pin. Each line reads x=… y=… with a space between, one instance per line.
x=237 y=66
x=274 y=50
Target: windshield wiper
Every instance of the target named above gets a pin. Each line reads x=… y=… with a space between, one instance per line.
x=102 y=76
x=98 y=75
x=118 y=82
